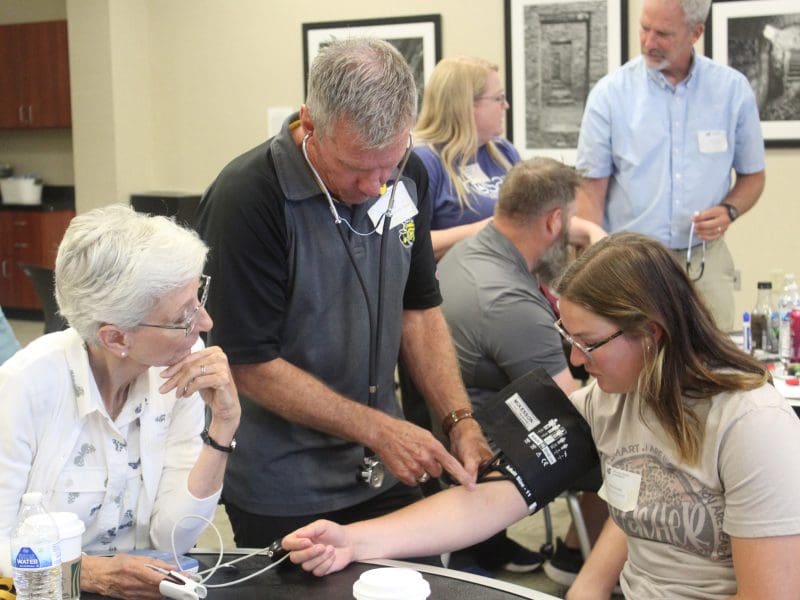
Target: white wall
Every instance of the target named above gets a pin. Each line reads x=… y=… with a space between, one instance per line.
x=166 y=92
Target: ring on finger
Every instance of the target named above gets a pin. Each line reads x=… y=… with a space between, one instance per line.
x=424 y=478
x=186 y=387
x=202 y=369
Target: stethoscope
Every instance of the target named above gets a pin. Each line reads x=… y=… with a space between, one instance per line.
x=371 y=471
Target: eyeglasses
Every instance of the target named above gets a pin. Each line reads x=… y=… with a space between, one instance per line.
x=689 y=257
x=587 y=349
x=188 y=324
x=501 y=98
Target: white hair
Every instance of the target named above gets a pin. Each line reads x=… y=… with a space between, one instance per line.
x=367 y=82
x=114 y=265
x=695 y=11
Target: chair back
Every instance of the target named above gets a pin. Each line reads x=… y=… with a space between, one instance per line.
x=44 y=285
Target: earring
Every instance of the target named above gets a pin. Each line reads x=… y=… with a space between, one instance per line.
x=123 y=354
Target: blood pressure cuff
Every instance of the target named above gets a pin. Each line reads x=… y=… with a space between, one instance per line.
x=544 y=446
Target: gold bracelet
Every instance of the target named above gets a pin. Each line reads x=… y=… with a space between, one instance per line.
x=453 y=417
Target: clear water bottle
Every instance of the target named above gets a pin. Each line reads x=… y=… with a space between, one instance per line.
x=763 y=334
x=35 y=552
x=788 y=300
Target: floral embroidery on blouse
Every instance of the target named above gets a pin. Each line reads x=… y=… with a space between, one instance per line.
x=80 y=458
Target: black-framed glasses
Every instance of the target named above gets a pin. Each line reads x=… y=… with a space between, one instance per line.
x=586 y=349
x=188 y=324
x=694 y=273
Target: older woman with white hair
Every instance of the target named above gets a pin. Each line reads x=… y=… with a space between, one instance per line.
x=107 y=418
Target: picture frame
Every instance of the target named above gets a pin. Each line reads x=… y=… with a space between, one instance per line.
x=761 y=39
x=418 y=38
x=556 y=50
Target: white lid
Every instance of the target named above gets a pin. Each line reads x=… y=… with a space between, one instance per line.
x=69 y=525
x=390 y=583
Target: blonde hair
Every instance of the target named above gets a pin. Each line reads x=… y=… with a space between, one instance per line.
x=634 y=281
x=447 y=119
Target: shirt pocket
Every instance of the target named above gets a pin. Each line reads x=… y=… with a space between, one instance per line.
x=80 y=490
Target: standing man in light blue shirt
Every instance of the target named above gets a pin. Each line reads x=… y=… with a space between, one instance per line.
x=658 y=141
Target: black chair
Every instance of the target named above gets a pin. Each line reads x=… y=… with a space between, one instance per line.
x=44 y=285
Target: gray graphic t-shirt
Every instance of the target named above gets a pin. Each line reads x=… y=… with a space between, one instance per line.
x=679 y=519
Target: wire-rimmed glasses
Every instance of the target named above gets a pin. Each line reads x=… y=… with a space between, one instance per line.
x=500 y=98
x=586 y=349
x=188 y=324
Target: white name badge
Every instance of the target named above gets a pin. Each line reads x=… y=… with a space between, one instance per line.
x=620 y=488
x=474 y=174
x=712 y=141
x=404 y=208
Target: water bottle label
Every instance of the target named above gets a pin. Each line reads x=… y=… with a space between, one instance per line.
x=35 y=557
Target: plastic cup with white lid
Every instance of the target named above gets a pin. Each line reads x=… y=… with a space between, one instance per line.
x=70 y=531
x=391 y=583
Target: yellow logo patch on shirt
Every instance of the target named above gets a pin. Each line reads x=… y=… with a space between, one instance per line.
x=407 y=233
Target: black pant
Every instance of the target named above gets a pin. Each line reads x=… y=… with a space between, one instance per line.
x=257 y=531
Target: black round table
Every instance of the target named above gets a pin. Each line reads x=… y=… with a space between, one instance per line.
x=289 y=582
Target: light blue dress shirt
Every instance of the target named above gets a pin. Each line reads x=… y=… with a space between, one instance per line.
x=8 y=341
x=668 y=150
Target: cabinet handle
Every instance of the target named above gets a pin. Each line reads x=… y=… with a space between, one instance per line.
x=20 y=223
x=21 y=113
x=30 y=114
x=4 y=270
x=21 y=245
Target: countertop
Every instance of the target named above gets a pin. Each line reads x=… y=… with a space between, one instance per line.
x=54 y=197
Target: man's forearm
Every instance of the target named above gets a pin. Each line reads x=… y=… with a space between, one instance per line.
x=431 y=360
x=591 y=200
x=746 y=191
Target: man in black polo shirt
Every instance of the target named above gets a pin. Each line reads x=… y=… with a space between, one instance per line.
x=295 y=228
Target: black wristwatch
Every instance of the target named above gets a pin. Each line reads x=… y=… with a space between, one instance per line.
x=733 y=212
x=210 y=441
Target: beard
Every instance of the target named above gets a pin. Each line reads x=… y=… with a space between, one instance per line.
x=552 y=263
x=659 y=62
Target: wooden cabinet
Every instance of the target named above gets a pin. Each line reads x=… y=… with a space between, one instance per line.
x=31 y=237
x=34 y=76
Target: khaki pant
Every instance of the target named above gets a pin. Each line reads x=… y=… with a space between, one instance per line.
x=715 y=286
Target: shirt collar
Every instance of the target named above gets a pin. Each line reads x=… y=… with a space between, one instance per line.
x=495 y=238
x=658 y=77
x=294 y=176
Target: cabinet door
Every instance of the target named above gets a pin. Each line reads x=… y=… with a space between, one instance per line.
x=26 y=235
x=31 y=237
x=11 y=108
x=45 y=78
x=6 y=261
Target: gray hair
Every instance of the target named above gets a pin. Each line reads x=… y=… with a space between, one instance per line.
x=114 y=265
x=535 y=186
x=695 y=11
x=367 y=82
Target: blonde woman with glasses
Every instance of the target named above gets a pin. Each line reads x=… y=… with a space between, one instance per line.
x=458 y=137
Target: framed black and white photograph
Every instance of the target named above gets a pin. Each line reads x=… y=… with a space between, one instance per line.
x=418 y=38
x=762 y=40
x=556 y=50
